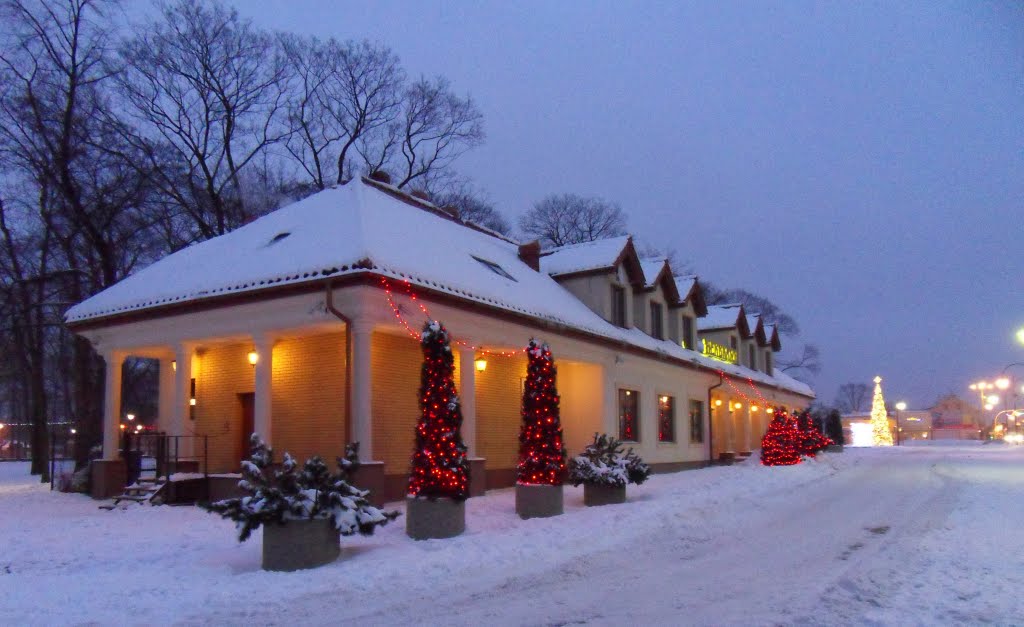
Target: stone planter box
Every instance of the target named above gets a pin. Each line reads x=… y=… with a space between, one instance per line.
x=439 y=518
x=538 y=501
x=834 y=448
x=300 y=544
x=603 y=495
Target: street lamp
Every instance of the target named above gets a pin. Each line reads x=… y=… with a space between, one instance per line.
x=900 y=406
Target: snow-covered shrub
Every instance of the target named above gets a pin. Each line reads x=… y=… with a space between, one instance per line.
x=603 y=463
x=288 y=493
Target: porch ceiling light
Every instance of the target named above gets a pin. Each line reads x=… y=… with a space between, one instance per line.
x=253 y=357
x=770 y=410
x=754 y=408
x=718 y=402
x=480 y=364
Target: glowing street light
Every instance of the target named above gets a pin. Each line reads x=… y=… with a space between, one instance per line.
x=1002 y=383
x=992 y=399
x=1020 y=335
x=900 y=406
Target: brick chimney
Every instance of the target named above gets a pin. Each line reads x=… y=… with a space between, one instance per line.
x=530 y=254
x=380 y=176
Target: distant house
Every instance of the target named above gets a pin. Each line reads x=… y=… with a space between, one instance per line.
x=302 y=326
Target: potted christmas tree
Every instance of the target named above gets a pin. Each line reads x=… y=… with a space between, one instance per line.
x=541 y=453
x=780 y=445
x=302 y=512
x=439 y=479
x=604 y=470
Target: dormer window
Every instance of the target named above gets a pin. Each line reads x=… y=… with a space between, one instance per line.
x=768 y=362
x=657 y=322
x=752 y=356
x=618 y=306
x=495 y=268
x=688 y=340
x=732 y=342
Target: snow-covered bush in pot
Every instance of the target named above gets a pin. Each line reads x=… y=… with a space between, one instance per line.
x=288 y=493
x=603 y=463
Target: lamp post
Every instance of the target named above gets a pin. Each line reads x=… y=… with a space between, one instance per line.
x=981 y=387
x=900 y=406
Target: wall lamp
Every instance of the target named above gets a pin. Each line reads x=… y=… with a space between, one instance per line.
x=480 y=364
x=253 y=357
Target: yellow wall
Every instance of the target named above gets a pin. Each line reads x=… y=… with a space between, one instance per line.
x=308 y=404
x=498 y=400
x=396 y=362
x=579 y=386
x=223 y=373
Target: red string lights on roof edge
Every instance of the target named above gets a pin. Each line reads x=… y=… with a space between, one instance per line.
x=396 y=310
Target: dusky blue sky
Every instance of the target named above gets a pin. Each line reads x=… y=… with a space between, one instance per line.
x=859 y=163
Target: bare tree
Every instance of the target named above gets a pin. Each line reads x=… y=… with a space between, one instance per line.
x=561 y=219
x=852 y=397
x=207 y=90
x=339 y=91
x=473 y=206
x=753 y=303
x=808 y=360
x=69 y=171
x=434 y=128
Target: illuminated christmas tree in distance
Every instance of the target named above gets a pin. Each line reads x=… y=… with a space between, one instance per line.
x=879 y=417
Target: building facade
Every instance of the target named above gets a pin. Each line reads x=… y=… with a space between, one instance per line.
x=303 y=327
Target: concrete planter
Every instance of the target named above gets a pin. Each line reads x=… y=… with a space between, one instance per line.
x=603 y=494
x=300 y=544
x=439 y=518
x=538 y=501
x=834 y=448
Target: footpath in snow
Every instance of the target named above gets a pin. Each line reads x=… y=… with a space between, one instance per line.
x=904 y=536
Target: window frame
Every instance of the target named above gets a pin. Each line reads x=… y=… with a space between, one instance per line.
x=495 y=268
x=696 y=426
x=688 y=339
x=618 y=306
x=667 y=402
x=634 y=396
x=657 y=321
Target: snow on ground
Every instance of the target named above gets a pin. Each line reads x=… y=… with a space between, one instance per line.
x=906 y=536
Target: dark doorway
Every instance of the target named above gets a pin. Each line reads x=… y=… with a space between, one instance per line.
x=248 y=401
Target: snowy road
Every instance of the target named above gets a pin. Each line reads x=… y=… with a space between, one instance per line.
x=910 y=536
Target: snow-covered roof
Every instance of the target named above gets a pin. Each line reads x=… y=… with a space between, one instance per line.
x=368 y=226
x=652 y=268
x=582 y=257
x=720 y=317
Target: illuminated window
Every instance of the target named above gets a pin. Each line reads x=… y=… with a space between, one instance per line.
x=618 y=306
x=666 y=419
x=696 y=421
x=495 y=268
x=629 y=419
x=657 y=323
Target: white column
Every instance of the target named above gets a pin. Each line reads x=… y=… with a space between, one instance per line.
x=467 y=394
x=747 y=429
x=263 y=410
x=182 y=410
x=362 y=409
x=165 y=404
x=112 y=405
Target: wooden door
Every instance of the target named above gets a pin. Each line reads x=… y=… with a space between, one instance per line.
x=248 y=401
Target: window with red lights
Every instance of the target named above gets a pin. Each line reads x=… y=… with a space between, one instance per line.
x=629 y=417
x=666 y=419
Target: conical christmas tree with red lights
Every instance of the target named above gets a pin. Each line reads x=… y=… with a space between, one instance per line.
x=812 y=441
x=541 y=450
x=439 y=466
x=781 y=444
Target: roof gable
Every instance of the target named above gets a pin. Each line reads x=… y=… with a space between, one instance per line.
x=729 y=316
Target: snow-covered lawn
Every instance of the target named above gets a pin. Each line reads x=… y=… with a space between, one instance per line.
x=914 y=535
